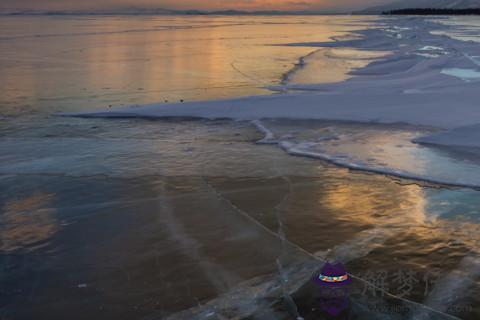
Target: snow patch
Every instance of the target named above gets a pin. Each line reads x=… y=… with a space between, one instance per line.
x=464 y=74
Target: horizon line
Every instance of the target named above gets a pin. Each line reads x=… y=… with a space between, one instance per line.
x=163 y=11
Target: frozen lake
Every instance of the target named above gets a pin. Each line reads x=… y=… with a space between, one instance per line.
x=144 y=219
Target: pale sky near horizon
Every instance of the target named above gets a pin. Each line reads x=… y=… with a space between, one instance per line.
x=192 y=4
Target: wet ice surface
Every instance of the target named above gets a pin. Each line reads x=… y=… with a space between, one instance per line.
x=133 y=232
x=54 y=66
x=127 y=222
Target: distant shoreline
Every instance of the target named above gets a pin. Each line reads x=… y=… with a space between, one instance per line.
x=433 y=12
x=163 y=12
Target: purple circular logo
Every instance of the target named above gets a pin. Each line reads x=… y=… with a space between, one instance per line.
x=334 y=294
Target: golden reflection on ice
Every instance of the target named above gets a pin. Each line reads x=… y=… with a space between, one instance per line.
x=116 y=60
x=27 y=222
x=377 y=204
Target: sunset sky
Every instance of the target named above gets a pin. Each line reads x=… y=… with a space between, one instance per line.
x=191 y=4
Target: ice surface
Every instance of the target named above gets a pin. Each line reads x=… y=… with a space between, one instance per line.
x=403 y=87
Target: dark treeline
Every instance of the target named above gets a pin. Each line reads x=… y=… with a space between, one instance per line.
x=434 y=11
